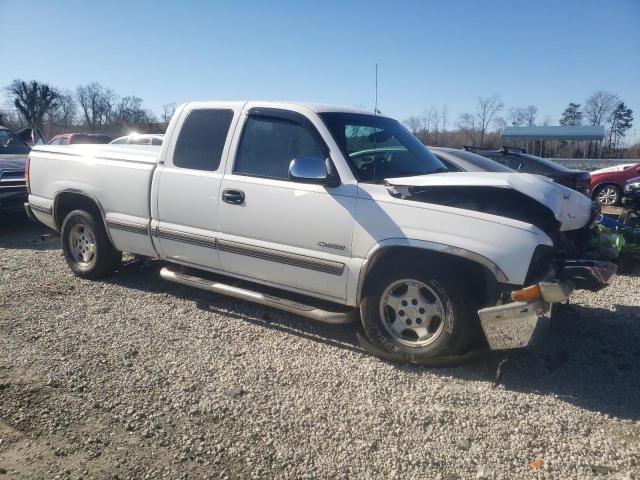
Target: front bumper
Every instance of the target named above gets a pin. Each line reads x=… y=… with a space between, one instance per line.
x=512 y=325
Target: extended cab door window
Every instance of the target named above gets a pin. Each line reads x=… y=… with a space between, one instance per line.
x=201 y=139
x=268 y=145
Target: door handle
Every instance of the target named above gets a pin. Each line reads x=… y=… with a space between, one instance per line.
x=234 y=197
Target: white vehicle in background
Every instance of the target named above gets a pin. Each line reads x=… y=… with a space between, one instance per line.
x=618 y=168
x=139 y=139
x=273 y=203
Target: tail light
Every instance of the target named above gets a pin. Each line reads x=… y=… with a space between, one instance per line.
x=26 y=174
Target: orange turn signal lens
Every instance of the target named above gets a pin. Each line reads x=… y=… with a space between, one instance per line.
x=528 y=294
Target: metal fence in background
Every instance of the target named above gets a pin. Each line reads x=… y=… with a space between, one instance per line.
x=593 y=163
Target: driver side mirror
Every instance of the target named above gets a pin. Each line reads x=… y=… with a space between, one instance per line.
x=310 y=169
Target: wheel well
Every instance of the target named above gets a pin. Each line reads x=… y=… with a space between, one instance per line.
x=604 y=184
x=66 y=202
x=472 y=272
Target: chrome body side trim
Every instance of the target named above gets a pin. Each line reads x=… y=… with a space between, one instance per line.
x=46 y=209
x=181 y=236
x=128 y=226
x=296 y=260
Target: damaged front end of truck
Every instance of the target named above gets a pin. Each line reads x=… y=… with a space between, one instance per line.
x=580 y=258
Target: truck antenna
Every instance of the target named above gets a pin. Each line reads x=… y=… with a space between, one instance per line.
x=375 y=108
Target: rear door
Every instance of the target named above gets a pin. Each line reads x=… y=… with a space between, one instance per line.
x=276 y=230
x=188 y=187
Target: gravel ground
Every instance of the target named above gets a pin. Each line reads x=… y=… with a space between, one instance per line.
x=134 y=377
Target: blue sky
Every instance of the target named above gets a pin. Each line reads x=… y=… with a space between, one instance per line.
x=539 y=52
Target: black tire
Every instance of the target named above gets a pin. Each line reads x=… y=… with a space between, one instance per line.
x=613 y=188
x=85 y=238
x=460 y=324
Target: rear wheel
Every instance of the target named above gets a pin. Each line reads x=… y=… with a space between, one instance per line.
x=608 y=195
x=417 y=313
x=86 y=246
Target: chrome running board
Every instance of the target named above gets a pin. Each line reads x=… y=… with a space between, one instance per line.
x=268 y=300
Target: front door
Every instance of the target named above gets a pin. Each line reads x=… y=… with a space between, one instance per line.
x=279 y=231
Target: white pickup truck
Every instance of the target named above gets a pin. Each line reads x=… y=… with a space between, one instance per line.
x=292 y=206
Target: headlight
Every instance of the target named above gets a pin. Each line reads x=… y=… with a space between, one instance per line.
x=633 y=184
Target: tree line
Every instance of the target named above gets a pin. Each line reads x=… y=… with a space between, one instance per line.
x=91 y=108
x=483 y=126
x=94 y=108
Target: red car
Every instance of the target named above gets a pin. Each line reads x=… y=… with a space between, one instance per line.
x=73 y=138
x=607 y=184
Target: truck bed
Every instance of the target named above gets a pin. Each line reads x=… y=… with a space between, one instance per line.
x=118 y=175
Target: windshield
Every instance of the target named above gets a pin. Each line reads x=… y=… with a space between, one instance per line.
x=378 y=148
x=10 y=144
x=550 y=165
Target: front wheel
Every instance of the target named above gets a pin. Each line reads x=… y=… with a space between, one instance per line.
x=86 y=246
x=608 y=195
x=417 y=313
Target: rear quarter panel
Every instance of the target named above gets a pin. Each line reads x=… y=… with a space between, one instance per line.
x=120 y=187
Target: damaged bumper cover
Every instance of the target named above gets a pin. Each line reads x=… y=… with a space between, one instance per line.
x=512 y=325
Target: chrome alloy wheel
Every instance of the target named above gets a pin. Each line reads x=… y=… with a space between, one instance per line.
x=412 y=313
x=82 y=244
x=608 y=196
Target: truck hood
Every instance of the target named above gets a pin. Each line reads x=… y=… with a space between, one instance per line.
x=617 y=168
x=571 y=209
x=13 y=162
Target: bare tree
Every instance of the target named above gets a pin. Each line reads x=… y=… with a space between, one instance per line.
x=130 y=114
x=530 y=115
x=97 y=104
x=9 y=117
x=444 y=118
x=414 y=124
x=436 y=123
x=487 y=108
x=33 y=100
x=500 y=123
x=516 y=116
x=426 y=125
x=65 y=112
x=167 y=112
x=467 y=124
x=599 y=106
x=598 y=109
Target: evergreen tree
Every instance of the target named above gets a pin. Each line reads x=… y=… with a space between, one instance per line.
x=621 y=121
x=572 y=116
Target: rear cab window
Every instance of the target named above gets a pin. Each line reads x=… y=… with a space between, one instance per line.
x=202 y=138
